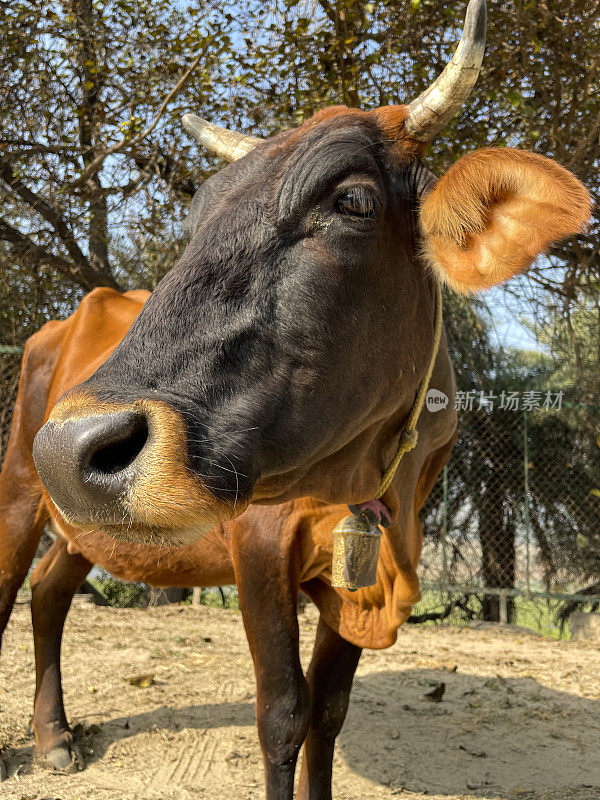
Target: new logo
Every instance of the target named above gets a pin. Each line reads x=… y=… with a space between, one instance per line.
x=436 y=400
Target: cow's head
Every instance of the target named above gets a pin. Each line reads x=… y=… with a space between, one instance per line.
x=280 y=356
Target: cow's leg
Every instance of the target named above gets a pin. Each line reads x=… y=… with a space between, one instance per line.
x=330 y=678
x=22 y=510
x=53 y=584
x=22 y=520
x=268 y=590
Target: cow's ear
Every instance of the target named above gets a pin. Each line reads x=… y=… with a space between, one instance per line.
x=494 y=211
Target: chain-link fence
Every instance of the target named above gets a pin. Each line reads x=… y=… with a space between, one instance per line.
x=512 y=528
x=10 y=368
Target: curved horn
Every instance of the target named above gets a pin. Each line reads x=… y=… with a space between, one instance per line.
x=220 y=141
x=436 y=106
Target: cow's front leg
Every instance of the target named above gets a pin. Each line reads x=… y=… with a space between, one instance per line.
x=53 y=584
x=330 y=678
x=267 y=581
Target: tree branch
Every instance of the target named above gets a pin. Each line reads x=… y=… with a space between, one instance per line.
x=167 y=171
x=47 y=212
x=34 y=254
x=27 y=148
x=94 y=165
x=438 y=616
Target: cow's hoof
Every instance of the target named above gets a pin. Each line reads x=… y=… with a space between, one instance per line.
x=63 y=758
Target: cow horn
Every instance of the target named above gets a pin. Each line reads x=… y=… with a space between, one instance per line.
x=435 y=107
x=220 y=141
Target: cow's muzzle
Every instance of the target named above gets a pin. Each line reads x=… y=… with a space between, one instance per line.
x=125 y=469
x=88 y=464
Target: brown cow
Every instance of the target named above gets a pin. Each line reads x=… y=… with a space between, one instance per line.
x=271 y=551
x=281 y=358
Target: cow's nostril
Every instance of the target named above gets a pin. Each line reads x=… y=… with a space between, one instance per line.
x=118 y=454
x=87 y=464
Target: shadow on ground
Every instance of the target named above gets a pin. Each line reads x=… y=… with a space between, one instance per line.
x=488 y=737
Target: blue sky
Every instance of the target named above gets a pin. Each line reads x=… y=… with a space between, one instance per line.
x=507 y=329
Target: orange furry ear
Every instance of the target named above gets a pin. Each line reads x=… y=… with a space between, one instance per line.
x=494 y=211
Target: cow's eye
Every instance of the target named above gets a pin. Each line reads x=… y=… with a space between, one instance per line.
x=358 y=201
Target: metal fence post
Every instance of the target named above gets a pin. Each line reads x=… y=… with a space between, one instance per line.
x=503 y=606
x=526 y=504
x=444 y=525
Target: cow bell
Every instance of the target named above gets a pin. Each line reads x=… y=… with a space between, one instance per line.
x=355 y=552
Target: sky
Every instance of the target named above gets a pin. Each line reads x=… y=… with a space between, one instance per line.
x=507 y=329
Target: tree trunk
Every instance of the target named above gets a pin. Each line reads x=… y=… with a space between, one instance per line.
x=91 y=83
x=497 y=539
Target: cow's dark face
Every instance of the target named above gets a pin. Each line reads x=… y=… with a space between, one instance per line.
x=279 y=358
x=297 y=319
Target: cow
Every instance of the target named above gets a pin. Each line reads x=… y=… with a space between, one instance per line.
x=281 y=358
x=291 y=543
x=296 y=536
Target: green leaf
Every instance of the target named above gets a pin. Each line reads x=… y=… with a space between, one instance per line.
x=514 y=98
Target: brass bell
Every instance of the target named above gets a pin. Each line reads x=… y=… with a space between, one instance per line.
x=355 y=552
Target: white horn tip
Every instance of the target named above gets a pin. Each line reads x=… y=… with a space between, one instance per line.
x=475 y=27
x=220 y=141
x=434 y=107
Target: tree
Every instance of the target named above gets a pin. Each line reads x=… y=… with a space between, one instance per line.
x=96 y=173
x=488 y=520
x=539 y=89
x=91 y=147
x=84 y=81
x=565 y=477
x=485 y=501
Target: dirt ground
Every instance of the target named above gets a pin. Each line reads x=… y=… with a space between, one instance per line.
x=520 y=717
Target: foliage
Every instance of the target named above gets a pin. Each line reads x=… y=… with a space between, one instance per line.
x=96 y=173
x=536 y=614
x=87 y=195
x=94 y=165
x=539 y=87
x=222 y=597
x=567 y=469
x=487 y=516
x=119 y=593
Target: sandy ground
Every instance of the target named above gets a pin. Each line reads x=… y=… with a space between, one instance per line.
x=520 y=717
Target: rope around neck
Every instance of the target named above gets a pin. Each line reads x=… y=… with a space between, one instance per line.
x=410 y=434
x=356 y=538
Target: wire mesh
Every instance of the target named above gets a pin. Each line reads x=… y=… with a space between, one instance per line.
x=512 y=528
x=10 y=368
